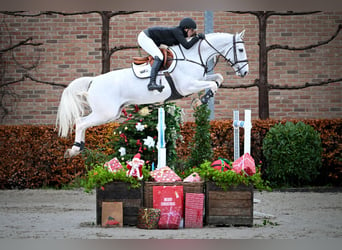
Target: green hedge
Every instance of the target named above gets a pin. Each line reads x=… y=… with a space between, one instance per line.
x=32 y=156
x=223 y=143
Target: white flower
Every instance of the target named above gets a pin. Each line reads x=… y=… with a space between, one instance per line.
x=149 y=142
x=139 y=126
x=122 y=151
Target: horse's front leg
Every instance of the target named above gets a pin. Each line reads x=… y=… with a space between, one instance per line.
x=198 y=85
x=218 y=78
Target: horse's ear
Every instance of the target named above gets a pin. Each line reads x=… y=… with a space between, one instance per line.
x=242 y=34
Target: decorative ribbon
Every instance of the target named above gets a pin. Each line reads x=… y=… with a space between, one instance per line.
x=171 y=214
x=145 y=216
x=222 y=163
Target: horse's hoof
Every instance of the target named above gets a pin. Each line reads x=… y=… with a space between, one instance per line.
x=67 y=154
x=204 y=100
x=70 y=153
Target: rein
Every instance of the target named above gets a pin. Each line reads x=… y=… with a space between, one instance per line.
x=205 y=65
x=199 y=52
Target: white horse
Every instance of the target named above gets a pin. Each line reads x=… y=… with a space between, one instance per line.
x=107 y=94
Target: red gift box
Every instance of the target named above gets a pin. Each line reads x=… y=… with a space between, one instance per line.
x=194 y=177
x=113 y=165
x=165 y=174
x=194 y=210
x=148 y=218
x=246 y=163
x=169 y=199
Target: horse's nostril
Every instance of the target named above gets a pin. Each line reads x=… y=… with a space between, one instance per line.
x=245 y=73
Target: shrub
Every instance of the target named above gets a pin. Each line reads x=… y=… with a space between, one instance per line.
x=201 y=149
x=32 y=155
x=293 y=154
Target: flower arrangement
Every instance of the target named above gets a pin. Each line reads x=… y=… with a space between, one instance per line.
x=226 y=179
x=99 y=175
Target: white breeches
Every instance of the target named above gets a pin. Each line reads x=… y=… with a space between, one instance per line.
x=149 y=46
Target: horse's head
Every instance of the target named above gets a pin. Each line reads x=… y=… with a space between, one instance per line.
x=237 y=56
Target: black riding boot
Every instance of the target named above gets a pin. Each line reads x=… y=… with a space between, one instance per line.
x=154 y=71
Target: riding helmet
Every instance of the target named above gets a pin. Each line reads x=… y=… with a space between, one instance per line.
x=188 y=23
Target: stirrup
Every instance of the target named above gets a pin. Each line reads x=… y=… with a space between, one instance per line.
x=154 y=86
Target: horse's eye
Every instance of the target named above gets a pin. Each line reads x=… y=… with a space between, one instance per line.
x=240 y=50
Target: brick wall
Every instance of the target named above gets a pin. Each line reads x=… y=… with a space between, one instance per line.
x=71 y=49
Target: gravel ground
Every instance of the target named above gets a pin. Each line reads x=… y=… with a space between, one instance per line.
x=71 y=214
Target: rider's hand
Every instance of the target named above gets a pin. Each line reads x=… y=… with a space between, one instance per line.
x=201 y=36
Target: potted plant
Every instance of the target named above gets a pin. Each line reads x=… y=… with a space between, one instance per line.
x=229 y=195
x=116 y=186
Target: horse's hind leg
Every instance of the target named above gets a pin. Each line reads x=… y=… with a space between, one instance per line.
x=81 y=125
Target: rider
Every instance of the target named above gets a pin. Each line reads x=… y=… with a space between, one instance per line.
x=150 y=39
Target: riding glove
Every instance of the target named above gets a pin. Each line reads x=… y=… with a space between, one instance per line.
x=201 y=36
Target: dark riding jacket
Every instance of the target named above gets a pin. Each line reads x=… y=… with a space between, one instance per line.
x=170 y=36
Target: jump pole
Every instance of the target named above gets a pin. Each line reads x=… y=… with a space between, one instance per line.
x=247 y=125
x=161 y=145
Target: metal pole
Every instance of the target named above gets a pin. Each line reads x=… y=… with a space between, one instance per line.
x=247 y=132
x=161 y=145
x=247 y=126
x=236 y=135
x=209 y=28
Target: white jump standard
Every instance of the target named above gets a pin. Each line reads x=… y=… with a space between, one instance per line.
x=161 y=145
x=247 y=125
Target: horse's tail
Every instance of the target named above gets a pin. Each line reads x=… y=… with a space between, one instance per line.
x=72 y=105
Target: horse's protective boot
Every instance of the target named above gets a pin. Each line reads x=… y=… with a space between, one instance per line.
x=154 y=71
x=207 y=96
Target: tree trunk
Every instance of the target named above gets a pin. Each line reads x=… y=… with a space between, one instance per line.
x=105 y=15
x=263 y=70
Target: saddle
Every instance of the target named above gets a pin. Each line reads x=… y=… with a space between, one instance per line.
x=168 y=58
x=141 y=67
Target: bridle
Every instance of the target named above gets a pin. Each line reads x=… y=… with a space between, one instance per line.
x=205 y=64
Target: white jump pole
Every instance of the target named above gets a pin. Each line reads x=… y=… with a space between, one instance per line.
x=161 y=145
x=247 y=125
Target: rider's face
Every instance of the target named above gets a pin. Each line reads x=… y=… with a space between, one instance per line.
x=190 y=32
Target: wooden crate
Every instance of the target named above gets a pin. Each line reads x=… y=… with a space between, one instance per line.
x=132 y=199
x=233 y=207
